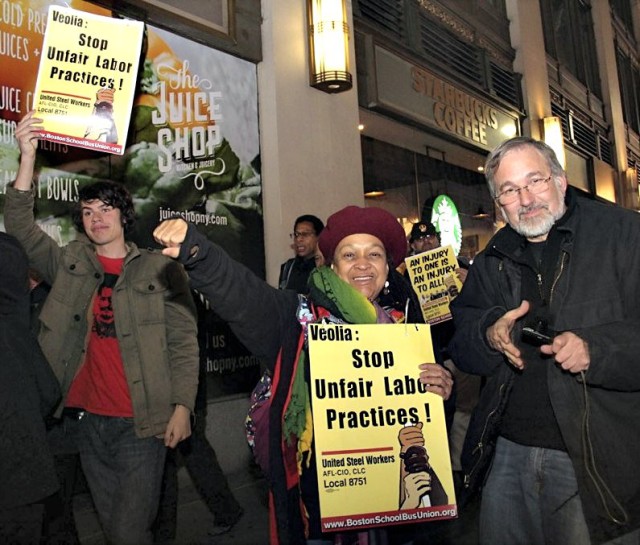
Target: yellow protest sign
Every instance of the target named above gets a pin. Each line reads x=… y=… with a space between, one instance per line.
x=380 y=439
x=87 y=78
x=433 y=277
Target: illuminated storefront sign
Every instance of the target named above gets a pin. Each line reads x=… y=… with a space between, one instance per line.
x=418 y=94
x=445 y=218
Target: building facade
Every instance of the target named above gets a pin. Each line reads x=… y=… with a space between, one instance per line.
x=441 y=81
x=436 y=85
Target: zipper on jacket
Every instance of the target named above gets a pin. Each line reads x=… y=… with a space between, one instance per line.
x=559 y=270
x=540 y=286
x=558 y=274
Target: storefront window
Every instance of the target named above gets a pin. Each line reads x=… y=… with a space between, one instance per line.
x=407 y=183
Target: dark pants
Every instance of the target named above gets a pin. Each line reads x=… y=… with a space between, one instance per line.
x=21 y=525
x=124 y=474
x=199 y=457
x=59 y=524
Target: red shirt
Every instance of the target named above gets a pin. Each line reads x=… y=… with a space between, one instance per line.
x=100 y=385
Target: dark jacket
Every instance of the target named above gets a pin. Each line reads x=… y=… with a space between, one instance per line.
x=153 y=307
x=294 y=274
x=266 y=324
x=28 y=390
x=264 y=320
x=596 y=295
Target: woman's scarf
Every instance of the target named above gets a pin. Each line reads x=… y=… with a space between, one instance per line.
x=341 y=299
x=336 y=301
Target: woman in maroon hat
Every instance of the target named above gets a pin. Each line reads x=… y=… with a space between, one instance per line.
x=359 y=284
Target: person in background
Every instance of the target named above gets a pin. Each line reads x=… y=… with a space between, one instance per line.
x=359 y=284
x=28 y=393
x=295 y=272
x=550 y=314
x=119 y=330
x=423 y=237
x=200 y=460
x=59 y=520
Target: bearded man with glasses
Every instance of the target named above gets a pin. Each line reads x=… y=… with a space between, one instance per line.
x=550 y=315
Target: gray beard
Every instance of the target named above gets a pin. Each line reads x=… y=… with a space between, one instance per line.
x=537 y=227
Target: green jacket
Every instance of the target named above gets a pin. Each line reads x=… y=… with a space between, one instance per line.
x=154 y=313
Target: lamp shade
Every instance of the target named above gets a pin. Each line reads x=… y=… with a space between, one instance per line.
x=480 y=214
x=328 y=46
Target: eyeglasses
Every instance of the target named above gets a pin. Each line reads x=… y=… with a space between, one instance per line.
x=302 y=234
x=511 y=195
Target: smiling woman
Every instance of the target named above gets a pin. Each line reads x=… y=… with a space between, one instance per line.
x=361 y=260
x=363 y=247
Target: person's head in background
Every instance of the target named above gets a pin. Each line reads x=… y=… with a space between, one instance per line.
x=423 y=237
x=306 y=230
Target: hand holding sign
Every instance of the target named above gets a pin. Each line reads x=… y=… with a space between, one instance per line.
x=437 y=379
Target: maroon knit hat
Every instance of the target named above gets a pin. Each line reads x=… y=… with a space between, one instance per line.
x=371 y=221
